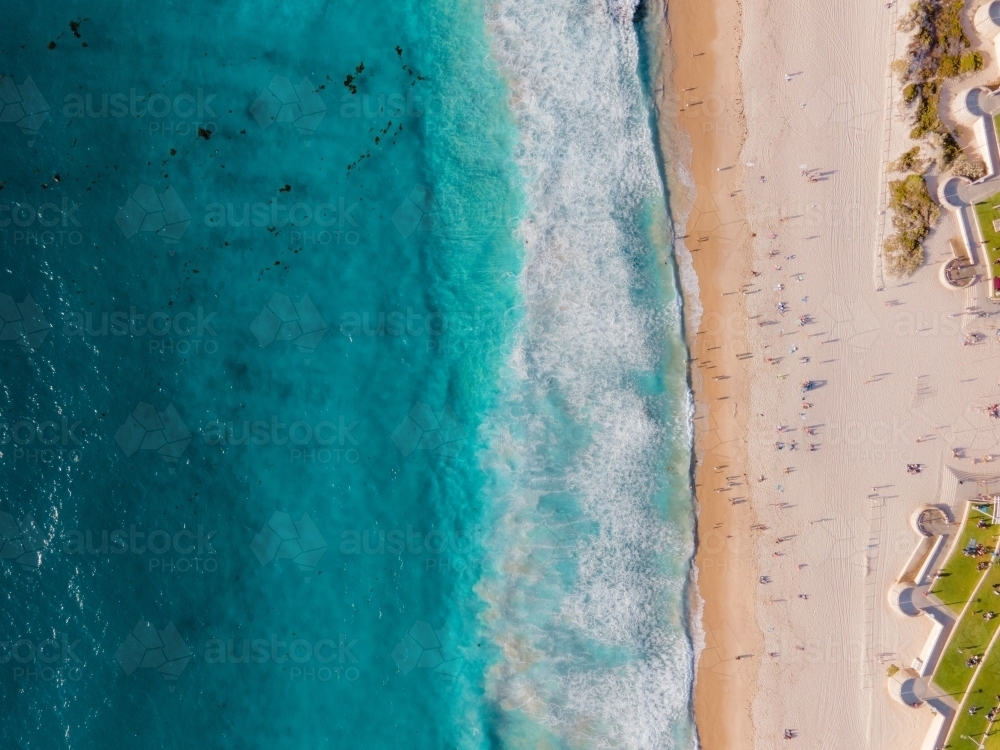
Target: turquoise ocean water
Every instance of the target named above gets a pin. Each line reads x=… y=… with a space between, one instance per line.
x=343 y=386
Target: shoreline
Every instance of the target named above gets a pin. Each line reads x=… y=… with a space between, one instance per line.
x=701 y=125
x=776 y=122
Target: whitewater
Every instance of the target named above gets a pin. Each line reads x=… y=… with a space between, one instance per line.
x=590 y=447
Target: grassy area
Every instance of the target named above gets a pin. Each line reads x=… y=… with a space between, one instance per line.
x=960 y=575
x=983 y=694
x=972 y=636
x=986 y=214
x=963 y=583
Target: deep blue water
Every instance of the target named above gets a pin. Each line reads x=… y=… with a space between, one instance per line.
x=343 y=397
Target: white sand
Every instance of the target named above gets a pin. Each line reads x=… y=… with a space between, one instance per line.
x=893 y=363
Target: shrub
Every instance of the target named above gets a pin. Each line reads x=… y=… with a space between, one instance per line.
x=908 y=162
x=949 y=148
x=902 y=257
x=938 y=49
x=892 y=670
x=913 y=215
x=963 y=166
x=970 y=62
x=949 y=67
x=926 y=117
x=912 y=204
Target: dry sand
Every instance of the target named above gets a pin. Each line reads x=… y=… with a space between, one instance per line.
x=888 y=355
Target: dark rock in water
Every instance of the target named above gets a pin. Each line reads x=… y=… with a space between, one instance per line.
x=206 y=134
x=623 y=11
x=639 y=15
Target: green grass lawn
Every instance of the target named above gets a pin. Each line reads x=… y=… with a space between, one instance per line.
x=972 y=635
x=960 y=575
x=985 y=214
x=983 y=693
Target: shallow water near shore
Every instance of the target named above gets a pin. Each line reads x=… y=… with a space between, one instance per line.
x=344 y=398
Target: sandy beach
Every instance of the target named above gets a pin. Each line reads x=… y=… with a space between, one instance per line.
x=703 y=111
x=804 y=499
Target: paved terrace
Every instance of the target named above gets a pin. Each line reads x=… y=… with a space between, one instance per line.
x=940 y=544
x=978 y=110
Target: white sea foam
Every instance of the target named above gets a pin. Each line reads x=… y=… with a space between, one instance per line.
x=586 y=591
x=685 y=261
